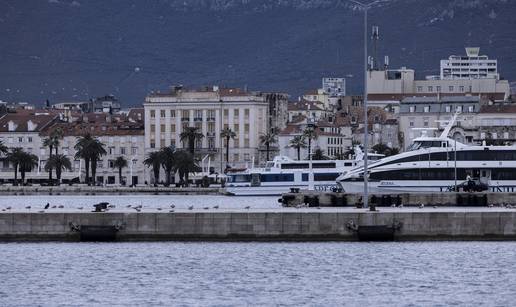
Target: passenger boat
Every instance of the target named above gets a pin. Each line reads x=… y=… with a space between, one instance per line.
x=437 y=164
x=282 y=174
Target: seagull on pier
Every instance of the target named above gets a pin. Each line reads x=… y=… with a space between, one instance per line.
x=128 y=206
x=28 y=207
x=215 y=207
x=8 y=208
x=54 y=206
x=60 y=206
x=172 y=206
x=206 y=208
x=190 y=208
x=41 y=211
x=421 y=206
x=159 y=208
x=171 y=211
x=247 y=207
x=137 y=209
x=80 y=208
x=47 y=206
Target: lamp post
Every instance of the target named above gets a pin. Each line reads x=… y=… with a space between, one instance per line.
x=365 y=7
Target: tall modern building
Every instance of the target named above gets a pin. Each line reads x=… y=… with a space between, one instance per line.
x=469 y=66
x=334 y=86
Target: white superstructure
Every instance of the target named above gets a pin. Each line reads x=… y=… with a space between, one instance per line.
x=283 y=173
x=469 y=66
x=438 y=164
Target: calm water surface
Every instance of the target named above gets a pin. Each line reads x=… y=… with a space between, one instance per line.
x=240 y=274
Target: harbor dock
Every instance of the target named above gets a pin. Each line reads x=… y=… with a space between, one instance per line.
x=304 y=224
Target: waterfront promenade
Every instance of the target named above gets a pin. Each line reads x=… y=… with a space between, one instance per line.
x=105 y=190
x=303 y=224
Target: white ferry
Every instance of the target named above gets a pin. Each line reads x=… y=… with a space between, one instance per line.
x=438 y=164
x=283 y=173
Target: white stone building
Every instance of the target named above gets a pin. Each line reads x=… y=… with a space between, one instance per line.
x=211 y=110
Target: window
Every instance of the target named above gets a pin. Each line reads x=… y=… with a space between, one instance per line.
x=20 y=139
x=430 y=88
x=425 y=123
x=153 y=128
x=111 y=150
x=451 y=88
x=134 y=150
x=458 y=108
x=122 y=151
x=506 y=135
x=162 y=113
x=448 y=109
x=111 y=163
x=162 y=128
x=438 y=89
x=412 y=109
x=411 y=124
x=172 y=113
x=426 y=109
x=29 y=139
x=471 y=109
x=152 y=113
x=461 y=88
x=419 y=89
x=152 y=145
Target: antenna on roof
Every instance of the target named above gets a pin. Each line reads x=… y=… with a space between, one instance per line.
x=375 y=35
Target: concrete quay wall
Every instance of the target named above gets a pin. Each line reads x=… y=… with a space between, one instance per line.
x=309 y=225
x=111 y=190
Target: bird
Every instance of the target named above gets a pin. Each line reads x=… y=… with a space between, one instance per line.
x=435 y=206
x=159 y=208
x=172 y=206
x=247 y=207
x=206 y=208
x=137 y=209
x=171 y=211
x=190 y=208
x=80 y=208
x=3 y=209
x=28 y=207
x=215 y=207
x=41 y=211
x=47 y=206
x=421 y=206
x=491 y=205
x=54 y=206
x=318 y=208
x=8 y=208
x=60 y=206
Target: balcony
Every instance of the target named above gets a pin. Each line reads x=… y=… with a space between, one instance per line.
x=211 y=119
x=185 y=119
x=197 y=119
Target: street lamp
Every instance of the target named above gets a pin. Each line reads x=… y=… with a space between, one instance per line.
x=365 y=7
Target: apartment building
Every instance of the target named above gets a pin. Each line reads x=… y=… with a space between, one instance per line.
x=210 y=110
x=469 y=66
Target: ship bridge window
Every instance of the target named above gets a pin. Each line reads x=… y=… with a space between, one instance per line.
x=326 y=176
x=269 y=164
x=276 y=177
x=324 y=165
x=294 y=165
x=239 y=178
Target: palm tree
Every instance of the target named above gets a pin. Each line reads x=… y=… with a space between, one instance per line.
x=97 y=151
x=57 y=135
x=310 y=134
x=185 y=163
x=227 y=134
x=27 y=162
x=319 y=155
x=267 y=139
x=191 y=134
x=168 y=161
x=50 y=142
x=90 y=150
x=59 y=163
x=15 y=157
x=120 y=163
x=154 y=160
x=298 y=142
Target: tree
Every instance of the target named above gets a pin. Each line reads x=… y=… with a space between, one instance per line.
x=50 y=142
x=57 y=135
x=154 y=160
x=185 y=163
x=310 y=134
x=267 y=139
x=227 y=134
x=168 y=161
x=23 y=161
x=298 y=142
x=319 y=155
x=90 y=150
x=385 y=150
x=59 y=163
x=120 y=163
x=15 y=157
x=3 y=149
x=191 y=134
x=97 y=151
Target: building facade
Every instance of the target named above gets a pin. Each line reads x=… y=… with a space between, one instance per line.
x=210 y=110
x=469 y=66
